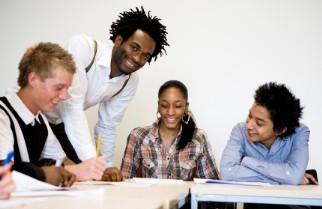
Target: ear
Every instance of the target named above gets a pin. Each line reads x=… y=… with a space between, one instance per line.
x=33 y=78
x=118 y=40
x=282 y=131
x=187 y=107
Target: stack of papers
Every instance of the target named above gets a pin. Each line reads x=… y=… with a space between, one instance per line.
x=214 y=181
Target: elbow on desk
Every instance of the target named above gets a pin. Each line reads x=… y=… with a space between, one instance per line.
x=227 y=174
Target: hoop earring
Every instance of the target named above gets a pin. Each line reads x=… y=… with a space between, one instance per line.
x=158 y=115
x=188 y=119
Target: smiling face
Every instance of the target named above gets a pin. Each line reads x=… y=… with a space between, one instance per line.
x=172 y=105
x=132 y=54
x=48 y=92
x=260 y=127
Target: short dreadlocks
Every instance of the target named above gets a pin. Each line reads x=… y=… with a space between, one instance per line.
x=130 y=21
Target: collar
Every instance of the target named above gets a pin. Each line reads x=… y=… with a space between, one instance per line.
x=104 y=60
x=155 y=131
x=21 y=109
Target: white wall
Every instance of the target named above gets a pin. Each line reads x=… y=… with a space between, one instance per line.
x=222 y=50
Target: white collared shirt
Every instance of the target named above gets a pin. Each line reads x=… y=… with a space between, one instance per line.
x=89 y=89
x=52 y=148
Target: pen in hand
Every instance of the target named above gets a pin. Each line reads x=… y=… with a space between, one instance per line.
x=98 y=145
x=8 y=158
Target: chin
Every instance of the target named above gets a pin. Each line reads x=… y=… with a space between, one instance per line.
x=172 y=126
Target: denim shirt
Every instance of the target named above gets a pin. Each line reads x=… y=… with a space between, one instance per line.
x=284 y=163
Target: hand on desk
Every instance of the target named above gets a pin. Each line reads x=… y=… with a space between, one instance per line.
x=91 y=169
x=58 y=176
x=306 y=179
x=112 y=174
x=7 y=185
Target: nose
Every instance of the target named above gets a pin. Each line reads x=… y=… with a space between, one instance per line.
x=171 y=110
x=249 y=123
x=63 y=94
x=139 y=58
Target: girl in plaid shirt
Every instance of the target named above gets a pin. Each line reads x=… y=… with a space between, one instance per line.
x=172 y=147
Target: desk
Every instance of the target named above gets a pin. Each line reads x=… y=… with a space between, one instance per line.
x=120 y=197
x=275 y=194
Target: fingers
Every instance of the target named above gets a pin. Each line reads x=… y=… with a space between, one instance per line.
x=7 y=186
x=305 y=181
x=311 y=178
x=99 y=167
x=112 y=174
x=67 y=178
x=4 y=196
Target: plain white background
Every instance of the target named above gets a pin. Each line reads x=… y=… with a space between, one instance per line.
x=222 y=50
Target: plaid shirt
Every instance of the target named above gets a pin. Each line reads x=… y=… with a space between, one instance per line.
x=146 y=157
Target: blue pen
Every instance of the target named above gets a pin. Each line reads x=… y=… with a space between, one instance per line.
x=8 y=158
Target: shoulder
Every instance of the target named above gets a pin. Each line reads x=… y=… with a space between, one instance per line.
x=141 y=133
x=4 y=118
x=81 y=42
x=81 y=38
x=302 y=128
x=199 y=136
x=301 y=133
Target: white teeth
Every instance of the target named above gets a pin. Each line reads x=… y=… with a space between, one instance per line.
x=131 y=65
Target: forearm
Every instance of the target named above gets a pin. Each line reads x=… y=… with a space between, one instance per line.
x=283 y=173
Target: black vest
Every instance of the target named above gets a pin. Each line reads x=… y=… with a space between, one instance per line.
x=35 y=138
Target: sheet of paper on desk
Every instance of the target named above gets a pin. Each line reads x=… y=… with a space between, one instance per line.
x=86 y=193
x=26 y=183
x=15 y=202
x=157 y=181
x=214 y=181
x=27 y=186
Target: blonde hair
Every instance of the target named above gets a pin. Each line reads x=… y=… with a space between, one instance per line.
x=41 y=59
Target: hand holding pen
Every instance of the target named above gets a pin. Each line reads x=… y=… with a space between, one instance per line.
x=7 y=184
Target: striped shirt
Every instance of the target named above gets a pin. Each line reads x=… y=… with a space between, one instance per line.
x=145 y=156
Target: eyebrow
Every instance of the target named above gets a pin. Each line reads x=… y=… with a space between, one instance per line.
x=257 y=118
x=139 y=46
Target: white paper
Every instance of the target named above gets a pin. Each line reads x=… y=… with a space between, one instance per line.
x=15 y=202
x=157 y=181
x=214 y=181
x=85 y=193
x=125 y=183
x=27 y=186
x=26 y=183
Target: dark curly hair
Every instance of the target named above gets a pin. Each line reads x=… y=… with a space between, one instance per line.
x=130 y=21
x=188 y=129
x=284 y=108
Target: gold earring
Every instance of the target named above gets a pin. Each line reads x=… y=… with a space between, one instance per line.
x=158 y=115
x=188 y=119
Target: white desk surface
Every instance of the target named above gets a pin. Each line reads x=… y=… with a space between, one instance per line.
x=118 y=197
x=278 y=194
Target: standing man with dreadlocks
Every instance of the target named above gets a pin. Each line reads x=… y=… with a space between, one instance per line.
x=107 y=76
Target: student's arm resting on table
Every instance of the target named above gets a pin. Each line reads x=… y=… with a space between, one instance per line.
x=230 y=165
x=291 y=171
x=111 y=113
x=131 y=158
